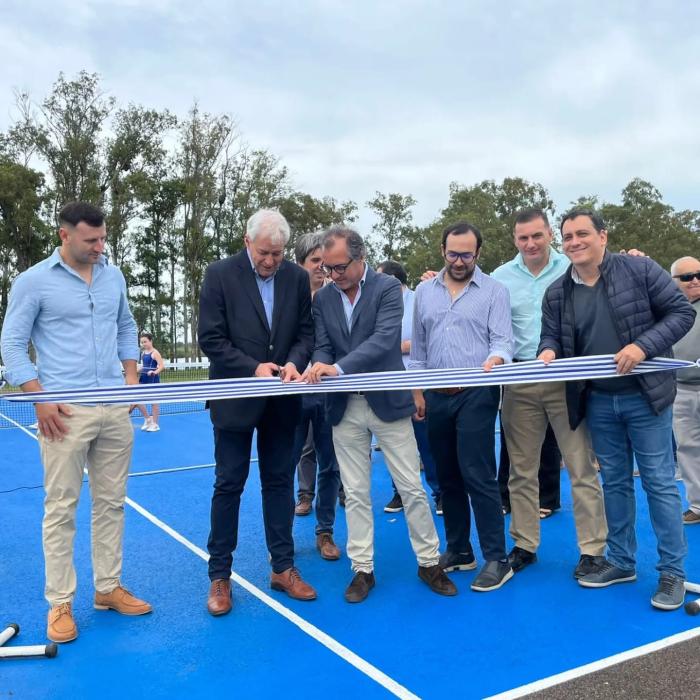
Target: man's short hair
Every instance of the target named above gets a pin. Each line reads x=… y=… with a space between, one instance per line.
x=272 y=222
x=307 y=244
x=594 y=216
x=459 y=228
x=394 y=269
x=525 y=216
x=353 y=240
x=75 y=212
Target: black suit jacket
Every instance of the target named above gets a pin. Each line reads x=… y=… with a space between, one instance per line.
x=235 y=336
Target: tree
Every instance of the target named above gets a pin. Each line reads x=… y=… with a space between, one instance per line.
x=394 y=222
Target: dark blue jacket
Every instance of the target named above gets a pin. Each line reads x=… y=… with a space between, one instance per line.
x=648 y=310
x=373 y=345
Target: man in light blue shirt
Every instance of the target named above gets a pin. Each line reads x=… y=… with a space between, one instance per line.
x=461 y=318
x=528 y=408
x=73 y=308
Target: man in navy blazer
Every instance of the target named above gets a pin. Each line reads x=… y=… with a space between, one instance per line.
x=358 y=329
x=255 y=320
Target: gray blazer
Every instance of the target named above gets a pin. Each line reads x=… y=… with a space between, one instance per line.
x=373 y=345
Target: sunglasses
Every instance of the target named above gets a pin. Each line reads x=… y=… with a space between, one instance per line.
x=688 y=277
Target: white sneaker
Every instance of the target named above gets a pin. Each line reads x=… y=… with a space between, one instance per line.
x=146 y=424
x=153 y=427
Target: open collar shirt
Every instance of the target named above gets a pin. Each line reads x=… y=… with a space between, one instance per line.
x=81 y=332
x=464 y=331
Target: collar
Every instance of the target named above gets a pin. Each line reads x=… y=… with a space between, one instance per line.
x=362 y=281
x=604 y=263
x=477 y=277
x=56 y=259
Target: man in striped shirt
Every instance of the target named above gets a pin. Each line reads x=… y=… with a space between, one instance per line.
x=462 y=319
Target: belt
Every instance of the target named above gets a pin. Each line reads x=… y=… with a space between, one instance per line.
x=450 y=391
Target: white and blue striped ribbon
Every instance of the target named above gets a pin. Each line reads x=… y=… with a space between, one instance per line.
x=575 y=368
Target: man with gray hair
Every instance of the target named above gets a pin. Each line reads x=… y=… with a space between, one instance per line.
x=255 y=320
x=358 y=329
x=686 y=407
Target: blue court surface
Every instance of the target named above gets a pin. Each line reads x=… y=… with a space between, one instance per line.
x=403 y=640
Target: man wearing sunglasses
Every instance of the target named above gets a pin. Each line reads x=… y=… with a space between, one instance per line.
x=462 y=318
x=358 y=329
x=627 y=306
x=686 y=407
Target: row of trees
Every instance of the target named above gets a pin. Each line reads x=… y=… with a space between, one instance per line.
x=178 y=191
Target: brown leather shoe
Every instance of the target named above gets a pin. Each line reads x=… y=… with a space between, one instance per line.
x=437 y=580
x=359 y=587
x=219 y=600
x=292 y=584
x=328 y=548
x=304 y=505
x=122 y=601
x=61 y=626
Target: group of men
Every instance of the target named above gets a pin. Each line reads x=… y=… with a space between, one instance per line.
x=257 y=318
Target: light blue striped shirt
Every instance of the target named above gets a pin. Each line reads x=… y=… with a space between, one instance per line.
x=80 y=332
x=266 y=287
x=526 y=294
x=407 y=321
x=460 y=332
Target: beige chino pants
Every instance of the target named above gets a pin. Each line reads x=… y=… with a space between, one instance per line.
x=527 y=408
x=351 y=438
x=99 y=438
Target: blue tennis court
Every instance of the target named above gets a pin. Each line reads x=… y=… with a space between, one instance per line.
x=403 y=641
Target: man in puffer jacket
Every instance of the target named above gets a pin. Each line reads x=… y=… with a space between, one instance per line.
x=630 y=307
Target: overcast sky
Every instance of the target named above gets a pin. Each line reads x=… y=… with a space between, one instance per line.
x=406 y=97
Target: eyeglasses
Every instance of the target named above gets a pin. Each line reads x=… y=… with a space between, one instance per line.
x=452 y=257
x=338 y=269
x=688 y=277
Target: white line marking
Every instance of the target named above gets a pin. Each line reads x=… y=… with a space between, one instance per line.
x=21 y=427
x=594 y=666
x=172 y=470
x=326 y=640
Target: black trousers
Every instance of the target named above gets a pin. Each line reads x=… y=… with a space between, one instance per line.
x=232 y=453
x=461 y=433
x=549 y=473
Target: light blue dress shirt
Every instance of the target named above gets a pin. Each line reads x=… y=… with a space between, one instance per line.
x=464 y=331
x=349 y=306
x=80 y=332
x=266 y=287
x=526 y=294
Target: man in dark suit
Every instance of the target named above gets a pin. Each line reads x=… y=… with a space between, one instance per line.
x=358 y=329
x=255 y=320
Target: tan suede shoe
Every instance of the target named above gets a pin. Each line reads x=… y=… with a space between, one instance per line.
x=61 y=625
x=122 y=601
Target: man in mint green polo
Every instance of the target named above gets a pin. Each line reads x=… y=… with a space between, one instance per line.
x=528 y=408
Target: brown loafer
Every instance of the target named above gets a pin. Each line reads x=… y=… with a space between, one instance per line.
x=219 y=600
x=360 y=586
x=326 y=546
x=291 y=582
x=61 y=626
x=122 y=601
x=304 y=505
x=437 y=580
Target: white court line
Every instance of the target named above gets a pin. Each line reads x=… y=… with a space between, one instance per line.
x=15 y=423
x=171 y=470
x=326 y=640
x=574 y=673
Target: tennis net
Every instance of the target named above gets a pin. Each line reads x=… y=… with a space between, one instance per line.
x=13 y=414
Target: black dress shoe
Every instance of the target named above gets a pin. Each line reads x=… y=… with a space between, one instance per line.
x=359 y=587
x=437 y=580
x=520 y=558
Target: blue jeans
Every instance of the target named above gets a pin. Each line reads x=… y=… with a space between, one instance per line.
x=314 y=412
x=623 y=428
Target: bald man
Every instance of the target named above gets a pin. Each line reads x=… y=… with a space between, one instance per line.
x=686 y=408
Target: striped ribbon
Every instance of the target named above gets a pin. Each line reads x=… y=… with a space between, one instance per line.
x=568 y=369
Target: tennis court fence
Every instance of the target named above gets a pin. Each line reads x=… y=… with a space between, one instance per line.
x=23 y=414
